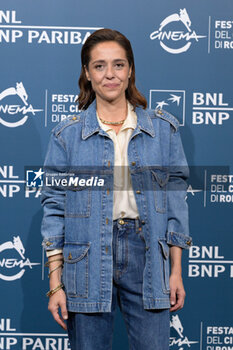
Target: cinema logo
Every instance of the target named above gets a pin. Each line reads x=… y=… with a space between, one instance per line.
x=207 y=261
x=13 y=264
x=10 y=339
x=11 y=184
x=210 y=109
x=12 y=30
x=14 y=115
x=180 y=341
x=176 y=41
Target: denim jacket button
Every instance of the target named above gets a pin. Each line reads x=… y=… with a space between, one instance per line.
x=189 y=243
x=106 y=221
x=70 y=256
x=133 y=163
x=138 y=192
x=121 y=222
x=143 y=222
x=48 y=244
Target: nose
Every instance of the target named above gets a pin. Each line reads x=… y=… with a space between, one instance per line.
x=109 y=72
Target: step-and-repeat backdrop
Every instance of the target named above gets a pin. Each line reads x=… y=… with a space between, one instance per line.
x=184 y=54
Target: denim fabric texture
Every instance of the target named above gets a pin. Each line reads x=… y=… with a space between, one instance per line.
x=80 y=220
x=146 y=329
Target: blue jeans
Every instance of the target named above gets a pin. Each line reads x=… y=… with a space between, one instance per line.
x=147 y=329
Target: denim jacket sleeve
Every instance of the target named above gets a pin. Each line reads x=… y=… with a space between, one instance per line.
x=53 y=197
x=178 y=223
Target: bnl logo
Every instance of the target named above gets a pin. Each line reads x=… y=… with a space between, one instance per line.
x=34 y=178
x=172 y=101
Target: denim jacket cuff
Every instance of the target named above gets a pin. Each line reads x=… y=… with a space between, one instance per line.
x=54 y=242
x=179 y=240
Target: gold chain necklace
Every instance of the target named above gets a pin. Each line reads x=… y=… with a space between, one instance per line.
x=112 y=123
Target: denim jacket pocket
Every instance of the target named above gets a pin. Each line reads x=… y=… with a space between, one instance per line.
x=159 y=181
x=164 y=265
x=75 y=271
x=78 y=201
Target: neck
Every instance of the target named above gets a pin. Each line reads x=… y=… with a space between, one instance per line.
x=114 y=111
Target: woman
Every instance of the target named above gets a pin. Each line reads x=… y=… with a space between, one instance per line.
x=115 y=240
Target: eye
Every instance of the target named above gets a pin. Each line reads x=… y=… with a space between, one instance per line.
x=120 y=65
x=99 y=67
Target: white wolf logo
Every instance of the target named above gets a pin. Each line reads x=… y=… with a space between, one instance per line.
x=162 y=34
x=176 y=324
x=20 y=91
x=16 y=244
x=175 y=17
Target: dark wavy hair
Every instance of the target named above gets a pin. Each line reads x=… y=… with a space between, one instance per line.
x=87 y=95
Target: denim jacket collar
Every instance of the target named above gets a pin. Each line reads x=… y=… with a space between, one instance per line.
x=91 y=125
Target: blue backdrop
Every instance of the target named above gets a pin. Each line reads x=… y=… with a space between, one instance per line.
x=183 y=53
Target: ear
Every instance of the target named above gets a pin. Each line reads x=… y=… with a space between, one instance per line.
x=87 y=73
x=130 y=72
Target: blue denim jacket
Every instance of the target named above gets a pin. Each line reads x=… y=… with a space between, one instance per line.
x=79 y=219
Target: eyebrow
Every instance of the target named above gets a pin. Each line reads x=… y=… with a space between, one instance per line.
x=116 y=60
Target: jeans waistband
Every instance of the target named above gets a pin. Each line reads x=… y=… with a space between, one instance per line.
x=121 y=222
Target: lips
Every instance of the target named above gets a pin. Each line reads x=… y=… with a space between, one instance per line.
x=111 y=86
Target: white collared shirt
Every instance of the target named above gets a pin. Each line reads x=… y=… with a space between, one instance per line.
x=124 y=203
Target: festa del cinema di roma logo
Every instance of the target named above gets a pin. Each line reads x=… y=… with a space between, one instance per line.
x=8 y=264
x=166 y=37
x=181 y=341
x=21 y=111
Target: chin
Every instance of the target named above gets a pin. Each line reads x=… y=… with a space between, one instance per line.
x=111 y=97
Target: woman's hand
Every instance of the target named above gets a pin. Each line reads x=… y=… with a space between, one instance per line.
x=56 y=301
x=177 y=292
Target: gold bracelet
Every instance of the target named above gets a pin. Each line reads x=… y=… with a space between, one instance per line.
x=52 y=291
x=49 y=262
x=56 y=268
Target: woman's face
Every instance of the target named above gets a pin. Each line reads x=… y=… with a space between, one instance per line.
x=108 y=71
